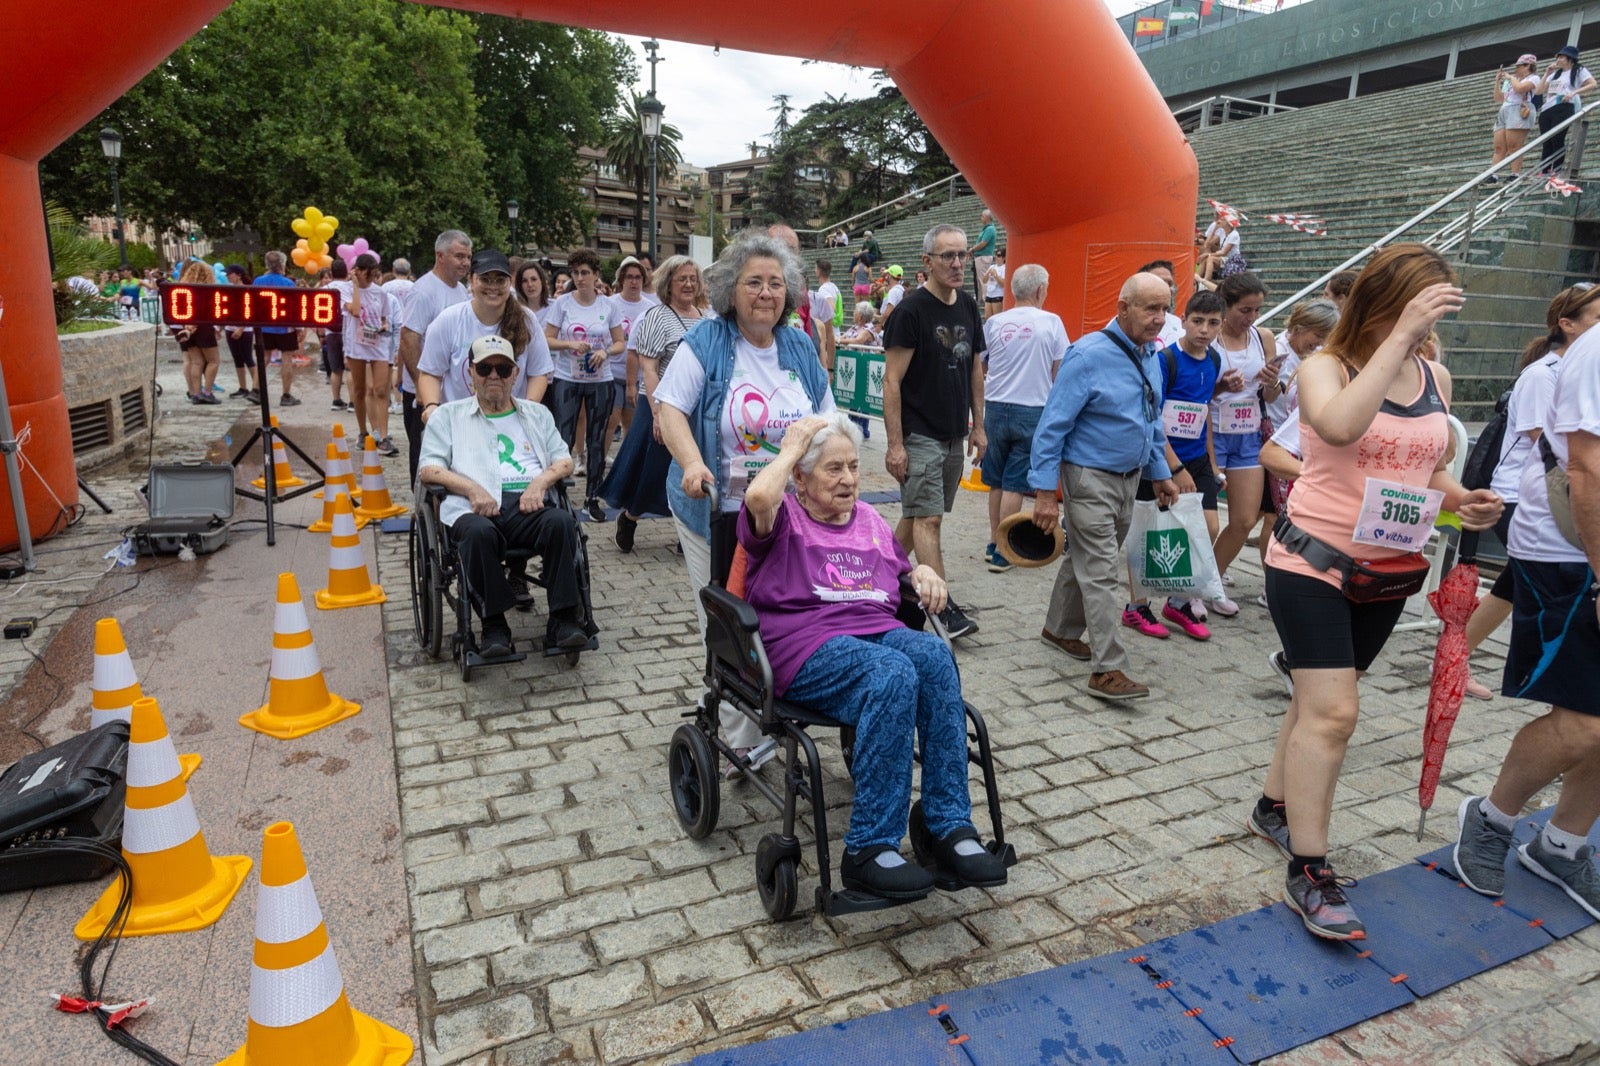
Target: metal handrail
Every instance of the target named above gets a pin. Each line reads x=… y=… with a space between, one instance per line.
x=1270 y=107
x=885 y=206
x=1427 y=212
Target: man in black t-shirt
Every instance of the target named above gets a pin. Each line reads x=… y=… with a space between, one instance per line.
x=932 y=386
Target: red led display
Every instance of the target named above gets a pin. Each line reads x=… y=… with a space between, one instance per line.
x=249 y=305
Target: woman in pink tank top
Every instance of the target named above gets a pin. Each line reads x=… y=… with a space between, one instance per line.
x=1374 y=434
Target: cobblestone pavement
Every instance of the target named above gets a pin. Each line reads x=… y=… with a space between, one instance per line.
x=561 y=915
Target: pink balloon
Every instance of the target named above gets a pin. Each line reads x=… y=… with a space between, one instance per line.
x=348 y=253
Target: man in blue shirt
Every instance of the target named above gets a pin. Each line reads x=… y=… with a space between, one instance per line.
x=286 y=342
x=1100 y=430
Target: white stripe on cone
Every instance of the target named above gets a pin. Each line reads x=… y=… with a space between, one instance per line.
x=344 y=525
x=147 y=830
x=372 y=482
x=295 y=664
x=100 y=716
x=151 y=763
x=112 y=672
x=285 y=913
x=346 y=558
x=290 y=618
x=281 y=998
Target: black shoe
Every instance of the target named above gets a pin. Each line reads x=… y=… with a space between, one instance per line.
x=983 y=870
x=1492 y=179
x=386 y=448
x=860 y=871
x=597 y=510
x=520 y=591
x=253 y=396
x=239 y=394
x=288 y=401
x=626 y=526
x=568 y=635
x=338 y=405
x=955 y=620
x=496 y=643
x=206 y=398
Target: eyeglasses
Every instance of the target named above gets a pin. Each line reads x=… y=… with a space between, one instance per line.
x=951 y=258
x=493 y=281
x=499 y=370
x=753 y=286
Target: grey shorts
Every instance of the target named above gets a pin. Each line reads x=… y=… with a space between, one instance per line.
x=933 y=474
x=1509 y=117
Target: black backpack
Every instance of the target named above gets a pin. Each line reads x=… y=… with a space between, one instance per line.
x=1171 y=359
x=1485 y=454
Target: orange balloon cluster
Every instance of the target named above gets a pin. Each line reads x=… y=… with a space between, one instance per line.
x=311 y=250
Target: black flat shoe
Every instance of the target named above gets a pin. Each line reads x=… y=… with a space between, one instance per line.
x=597 y=510
x=983 y=870
x=568 y=635
x=496 y=643
x=859 y=870
x=625 y=530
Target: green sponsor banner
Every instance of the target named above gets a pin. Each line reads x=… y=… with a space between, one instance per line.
x=1178 y=16
x=858 y=381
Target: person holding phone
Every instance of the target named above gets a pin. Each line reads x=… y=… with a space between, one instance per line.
x=1563 y=86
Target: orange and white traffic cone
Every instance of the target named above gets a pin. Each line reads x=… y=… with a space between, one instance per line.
x=348 y=582
x=116 y=686
x=284 y=477
x=346 y=473
x=178 y=885
x=375 y=502
x=973 y=482
x=298 y=700
x=333 y=491
x=299 y=1013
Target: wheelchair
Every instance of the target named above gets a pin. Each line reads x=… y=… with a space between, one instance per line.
x=436 y=581
x=738 y=672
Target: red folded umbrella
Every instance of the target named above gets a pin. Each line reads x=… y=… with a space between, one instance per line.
x=1453 y=601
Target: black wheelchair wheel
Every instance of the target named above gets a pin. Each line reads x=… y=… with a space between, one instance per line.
x=692 y=777
x=427 y=595
x=847 y=747
x=777 y=882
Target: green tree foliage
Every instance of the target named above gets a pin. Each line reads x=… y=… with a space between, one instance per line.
x=73 y=252
x=628 y=149
x=399 y=119
x=543 y=91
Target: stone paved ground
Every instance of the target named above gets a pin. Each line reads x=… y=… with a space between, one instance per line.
x=560 y=914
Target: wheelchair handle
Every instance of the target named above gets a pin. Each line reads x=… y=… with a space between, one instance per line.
x=712 y=494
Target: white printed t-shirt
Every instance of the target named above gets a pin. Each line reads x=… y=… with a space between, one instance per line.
x=427 y=298
x=575 y=322
x=1024 y=345
x=447 y=348
x=1574 y=408
x=631 y=313
x=1526 y=411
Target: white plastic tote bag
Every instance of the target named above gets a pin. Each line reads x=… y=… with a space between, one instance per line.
x=1169 y=551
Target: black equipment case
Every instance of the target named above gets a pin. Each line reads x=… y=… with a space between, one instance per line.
x=74 y=790
x=190 y=505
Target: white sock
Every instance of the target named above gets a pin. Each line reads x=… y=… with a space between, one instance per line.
x=1495 y=816
x=889 y=859
x=969 y=847
x=1562 y=842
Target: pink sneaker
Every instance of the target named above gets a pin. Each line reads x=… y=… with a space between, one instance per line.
x=1182 y=616
x=1140 y=617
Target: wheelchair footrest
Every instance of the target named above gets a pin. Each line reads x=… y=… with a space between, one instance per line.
x=552 y=651
x=849 y=901
x=475 y=660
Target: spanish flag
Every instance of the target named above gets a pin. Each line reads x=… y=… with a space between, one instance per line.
x=1149 y=27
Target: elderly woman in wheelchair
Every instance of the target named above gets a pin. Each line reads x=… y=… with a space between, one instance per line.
x=825 y=579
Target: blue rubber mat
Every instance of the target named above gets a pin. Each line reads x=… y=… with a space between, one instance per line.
x=1532 y=898
x=1263 y=984
x=1432 y=931
x=1104 y=1010
x=909 y=1035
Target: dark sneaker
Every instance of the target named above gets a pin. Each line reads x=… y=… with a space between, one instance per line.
x=288 y=401
x=1575 y=873
x=386 y=447
x=338 y=405
x=568 y=635
x=239 y=394
x=860 y=870
x=955 y=620
x=626 y=526
x=1115 y=685
x=1075 y=648
x=597 y=510
x=1273 y=828
x=1281 y=668
x=1320 y=902
x=520 y=591
x=496 y=643
x=1481 y=848
x=979 y=869
x=998 y=564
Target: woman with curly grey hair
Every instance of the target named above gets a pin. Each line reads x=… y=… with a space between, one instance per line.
x=738 y=380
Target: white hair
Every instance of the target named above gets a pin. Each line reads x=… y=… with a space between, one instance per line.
x=836 y=424
x=448 y=238
x=1028 y=279
x=931 y=238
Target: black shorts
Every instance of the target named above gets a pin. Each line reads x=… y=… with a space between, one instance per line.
x=333 y=353
x=199 y=337
x=1554 y=655
x=242 y=349
x=281 y=342
x=1204 y=483
x=1320 y=629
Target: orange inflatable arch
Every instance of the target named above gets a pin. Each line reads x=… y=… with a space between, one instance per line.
x=1043 y=106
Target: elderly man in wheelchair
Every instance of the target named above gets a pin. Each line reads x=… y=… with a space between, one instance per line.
x=825 y=577
x=498 y=456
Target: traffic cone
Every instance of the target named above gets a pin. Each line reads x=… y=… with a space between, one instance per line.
x=284 y=478
x=348 y=582
x=178 y=885
x=347 y=471
x=334 y=491
x=116 y=686
x=973 y=482
x=375 y=501
x=298 y=700
x=299 y=1013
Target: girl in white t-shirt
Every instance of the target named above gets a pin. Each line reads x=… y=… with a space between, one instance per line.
x=444 y=372
x=368 y=329
x=631 y=302
x=1246 y=376
x=584 y=329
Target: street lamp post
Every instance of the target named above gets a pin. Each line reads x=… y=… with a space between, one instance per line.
x=650 y=112
x=512 y=209
x=111 y=145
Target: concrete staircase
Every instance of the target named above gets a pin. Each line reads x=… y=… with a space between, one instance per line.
x=901 y=240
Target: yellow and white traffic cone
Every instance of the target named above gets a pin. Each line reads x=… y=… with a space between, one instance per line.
x=973 y=482
x=299 y=1013
x=284 y=478
x=346 y=472
x=116 y=686
x=348 y=582
x=298 y=700
x=334 y=490
x=375 y=502
x=178 y=885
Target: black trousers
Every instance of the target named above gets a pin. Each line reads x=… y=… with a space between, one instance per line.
x=481 y=543
x=1554 y=151
x=595 y=397
x=413 y=423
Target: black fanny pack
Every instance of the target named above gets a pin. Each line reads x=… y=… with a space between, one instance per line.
x=1361 y=580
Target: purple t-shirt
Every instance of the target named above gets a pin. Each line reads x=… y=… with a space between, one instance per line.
x=810 y=582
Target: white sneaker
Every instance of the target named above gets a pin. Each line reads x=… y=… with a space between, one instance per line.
x=395 y=408
x=1197 y=607
x=1223 y=606
x=1261 y=601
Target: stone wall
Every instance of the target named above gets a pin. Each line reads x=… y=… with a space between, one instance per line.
x=107 y=381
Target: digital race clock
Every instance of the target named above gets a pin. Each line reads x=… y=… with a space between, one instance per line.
x=249 y=305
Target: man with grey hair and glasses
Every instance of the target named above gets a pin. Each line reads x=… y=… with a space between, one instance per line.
x=436 y=290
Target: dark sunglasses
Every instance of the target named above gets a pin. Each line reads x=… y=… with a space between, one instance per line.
x=499 y=370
